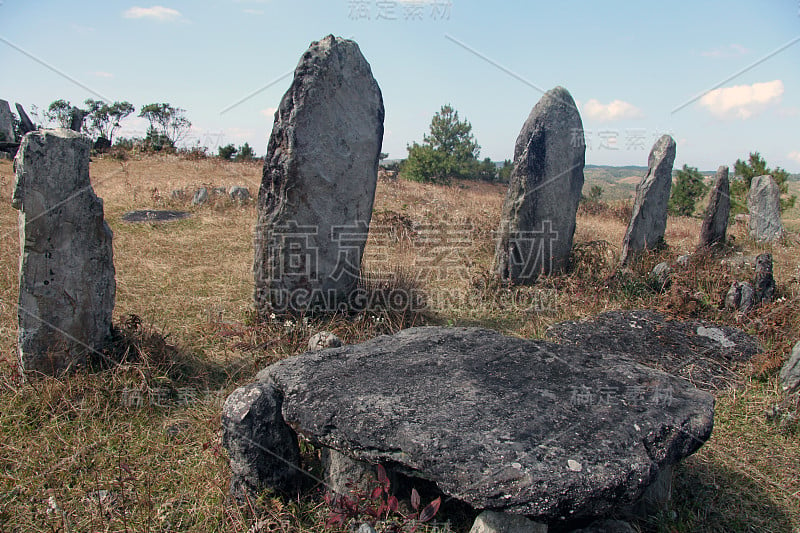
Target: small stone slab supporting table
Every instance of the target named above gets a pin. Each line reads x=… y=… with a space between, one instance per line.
x=500 y=423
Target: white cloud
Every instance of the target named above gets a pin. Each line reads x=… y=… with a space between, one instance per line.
x=732 y=50
x=612 y=111
x=101 y=74
x=269 y=112
x=795 y=155
x=159 y=13
x=742 y=101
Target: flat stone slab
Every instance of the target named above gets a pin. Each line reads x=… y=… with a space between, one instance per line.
x=704 y=354
x=501 y=423
x=150 y=215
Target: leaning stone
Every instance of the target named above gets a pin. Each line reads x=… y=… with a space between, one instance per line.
x=67 y=285
x=318 y=186
x=660 y=276
x=323 y=340
x=649 y=219
x=25 y=123
x=6 y=123
x=538 y=219
x=493 y=522
x=497 y=422
x=200 y=196
x=715 y=223
x=740 y=297
x=764 y=203
x=239 y=195
x=263 y=450
x=606 y=526
x=790 y=373
x=656 y=497
x=764 y=283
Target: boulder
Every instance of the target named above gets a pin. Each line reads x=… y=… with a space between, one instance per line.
x=6 y=123
x=240 y=195
x=715 y=222
x=649 y=218
x=501 y=423
x=790 y=373
x=740 y=297
x=764 y=283
x=764 y=204
x=493 y=522
x=705 y=354
x=538 y=218
x=67 y=284
x=318 y=187
x=200 y=196
x=25 y=123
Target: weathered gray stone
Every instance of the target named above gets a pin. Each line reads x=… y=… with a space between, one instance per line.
x=660 y=276
x=683 y=260
x=501 y=423
x=656 y=497
x=538 y=219
x=790 y=373
x=6 y=123
x=493 y=522
x=25 y=123
x=764 y=204
x=715 y=223
x=319 y=180
x=77 y=115
x=704 y=354
x=67 y=284
x=239 y=195
x=343 y=475
x=200 y=196
x=263 y=450
x=764 y=282
x=322 y=340
x=740 y=297
x=649 y=219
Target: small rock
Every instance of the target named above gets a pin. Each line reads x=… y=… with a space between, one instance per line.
x=200 y=196
x=660 y=276
x=790 y=373
x=365 y=528
x=239 y=195
x=322 y=340
x=575 y=466
x=740 y=297
x=683 y=260
x=493 y=522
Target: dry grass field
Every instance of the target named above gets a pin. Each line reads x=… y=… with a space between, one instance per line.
x=77 y=454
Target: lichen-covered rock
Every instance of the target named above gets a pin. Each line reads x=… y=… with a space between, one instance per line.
x=764 y=204
x=67 y=285
x=501 y=423
x=649 y=219
x=318 y=186
x=538 y=219
x=715 y=222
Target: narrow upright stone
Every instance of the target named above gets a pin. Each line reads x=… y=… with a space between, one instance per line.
x=318 y=187
x=715 y=223
x=649 y=219
x=66 y=279
x=26 y=124
x=764 y=203
x=538 y=218
x=6 y=123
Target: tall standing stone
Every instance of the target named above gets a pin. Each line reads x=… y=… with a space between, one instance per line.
x=538 y=218
x=66 y=280
x=6 y=123
x=715 y=223
x=649 y=219
x=764 y=203
x=25 y=123
x=318 y=185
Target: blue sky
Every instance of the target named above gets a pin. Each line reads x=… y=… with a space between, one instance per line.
x=630 y=66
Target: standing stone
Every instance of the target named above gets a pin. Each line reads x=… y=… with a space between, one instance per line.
x=66 y=282
x=77 y=116
x=649 y=218
x=715 y=223
x=538 y=219
x=790 y=373
x=318 y=185
x=25 y=122
x=740 y=297
x=764 y=203
x=200 y=196
x=6 y=123
x=764 y=283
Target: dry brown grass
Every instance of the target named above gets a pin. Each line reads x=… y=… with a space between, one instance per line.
x=191 y=283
